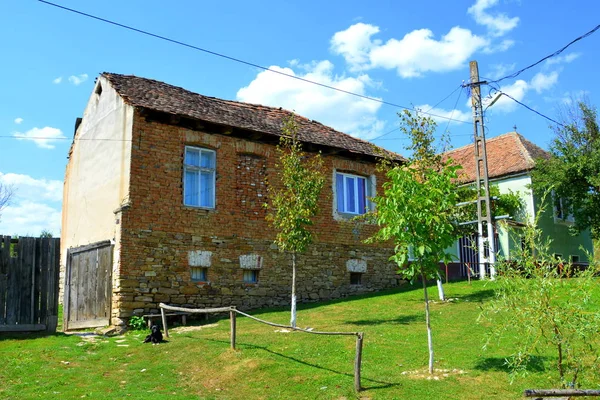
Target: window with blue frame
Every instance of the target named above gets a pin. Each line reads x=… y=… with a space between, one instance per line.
x=351 y=193
x=199 y=177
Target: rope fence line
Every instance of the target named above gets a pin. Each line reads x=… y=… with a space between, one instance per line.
x=233 y=311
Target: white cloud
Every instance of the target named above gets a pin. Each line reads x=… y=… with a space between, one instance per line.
x=35 y=205
x=18 y=120
x=57 y=80
x=499 y=47
x=416 y=53
x=346 y=113
x=498 y=24
x=30 y=218
x=500 y=70
x=78 y=79
x=567 y=58
x=28 y=188
x=441 y=115
x=355 y=44
x=541 y=82
x=43 y=137
x=419 y=52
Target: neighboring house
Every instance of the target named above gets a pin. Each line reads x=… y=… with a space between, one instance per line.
x=511 y=158
x=163 y=202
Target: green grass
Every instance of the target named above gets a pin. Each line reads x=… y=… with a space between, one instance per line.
x=269 y=365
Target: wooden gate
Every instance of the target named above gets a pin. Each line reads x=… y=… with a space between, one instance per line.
x=29 y=270
x=88 y=286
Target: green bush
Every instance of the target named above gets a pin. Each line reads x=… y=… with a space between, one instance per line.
x=137 y=323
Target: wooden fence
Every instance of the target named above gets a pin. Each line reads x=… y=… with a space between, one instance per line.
x=29 y=277
x=233 y=327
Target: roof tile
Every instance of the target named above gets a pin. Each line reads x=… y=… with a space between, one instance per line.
x=507 y=154
x=160 y=96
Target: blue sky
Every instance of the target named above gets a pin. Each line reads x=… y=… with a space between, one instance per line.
x=407 y=53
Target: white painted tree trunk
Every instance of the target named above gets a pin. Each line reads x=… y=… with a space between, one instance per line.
x=427 y=320
x=441 y=294
x=293 y=316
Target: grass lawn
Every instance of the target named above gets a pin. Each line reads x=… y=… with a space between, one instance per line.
x=198 y=363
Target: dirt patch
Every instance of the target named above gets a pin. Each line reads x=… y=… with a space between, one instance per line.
x=183 y=329
x=438 y=374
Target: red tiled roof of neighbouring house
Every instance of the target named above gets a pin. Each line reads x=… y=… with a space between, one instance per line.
x=507 y=154
x=159 y=96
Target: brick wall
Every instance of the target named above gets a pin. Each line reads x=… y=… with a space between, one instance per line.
x=160 y=237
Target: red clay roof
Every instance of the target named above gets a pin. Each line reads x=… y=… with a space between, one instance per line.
x=507 y=154
x=159 y=96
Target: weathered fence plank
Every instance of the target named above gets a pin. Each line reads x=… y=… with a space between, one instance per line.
x=29 y=284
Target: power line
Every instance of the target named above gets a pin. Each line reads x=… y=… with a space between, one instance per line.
x=238 y=60
x=557 y=52
x=424 y=112
x=444 y=99
x=531 y=109
x=59 y=138
x=453 y=108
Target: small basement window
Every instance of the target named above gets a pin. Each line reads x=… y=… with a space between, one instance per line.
x=251 y=276
x=355 y=278
x=199 y=274
x=574 y=259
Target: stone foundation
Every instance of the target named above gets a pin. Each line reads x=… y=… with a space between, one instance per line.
x=156 y=268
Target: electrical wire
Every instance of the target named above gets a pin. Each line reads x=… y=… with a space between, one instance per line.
x=424 y=112
x=238 y=60
x=557 y=52
x=453 y=109
x=59 y=138
x=531 y=109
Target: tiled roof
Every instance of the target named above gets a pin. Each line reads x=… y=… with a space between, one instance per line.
x=507 y=154
x=159 y=96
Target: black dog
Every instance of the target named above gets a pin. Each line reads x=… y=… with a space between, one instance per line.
x=155 y=337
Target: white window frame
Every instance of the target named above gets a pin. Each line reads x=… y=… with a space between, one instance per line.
x=356 y=177
x=187 y=167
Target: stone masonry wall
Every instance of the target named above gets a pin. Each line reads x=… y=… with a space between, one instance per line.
x=161 y=239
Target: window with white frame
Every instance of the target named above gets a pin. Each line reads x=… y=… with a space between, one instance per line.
x=199 y=177
x=351 y=193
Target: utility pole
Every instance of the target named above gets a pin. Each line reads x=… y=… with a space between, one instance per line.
x=485 y=244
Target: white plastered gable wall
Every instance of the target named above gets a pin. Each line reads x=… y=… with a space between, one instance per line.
x=98 y=173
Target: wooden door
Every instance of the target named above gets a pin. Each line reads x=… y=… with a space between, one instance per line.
x=88 y=286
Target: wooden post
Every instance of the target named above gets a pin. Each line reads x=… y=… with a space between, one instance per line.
x=164 y=321
x=358 y=361
x=232 y=321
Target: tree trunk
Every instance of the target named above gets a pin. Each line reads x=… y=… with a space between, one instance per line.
x=427 y=320
x=441 y=294
x=293 y=316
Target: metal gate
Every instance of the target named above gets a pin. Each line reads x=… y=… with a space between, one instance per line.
x=88 y=286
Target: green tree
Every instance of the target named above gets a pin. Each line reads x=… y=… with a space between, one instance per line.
x=294 y=198
x=545 y=307
x=46 y=234
x=417 y=209
x=573 y=169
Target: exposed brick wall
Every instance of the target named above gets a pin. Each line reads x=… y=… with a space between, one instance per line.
x=251 y=185
x=158 y=231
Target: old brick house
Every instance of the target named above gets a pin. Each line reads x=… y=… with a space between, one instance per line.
x=163 y=202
